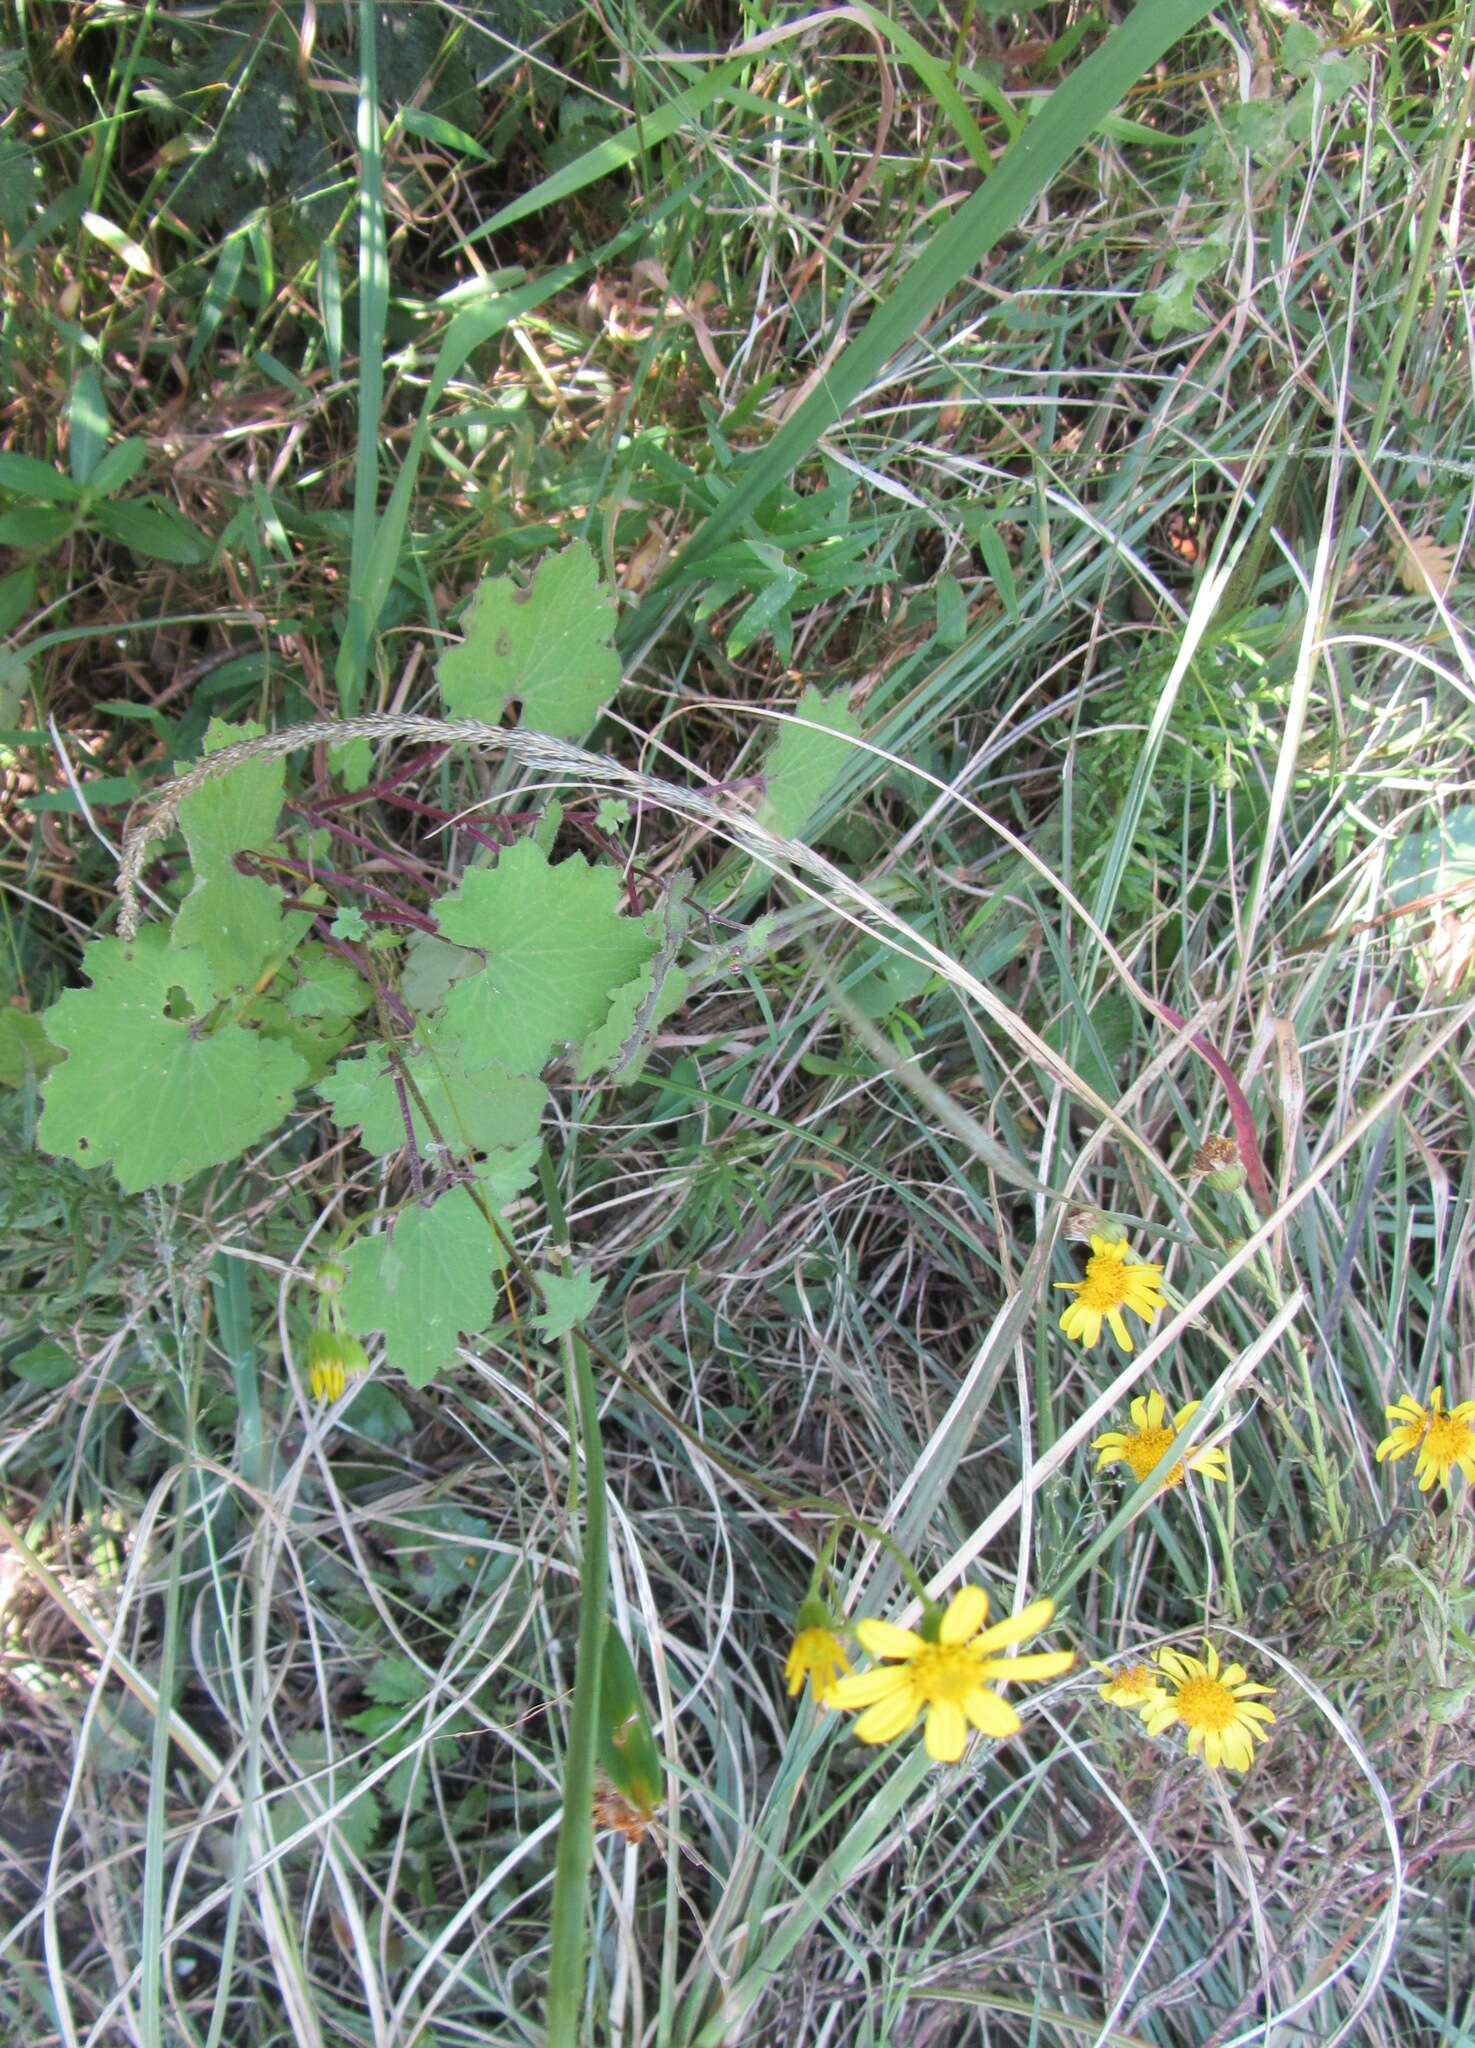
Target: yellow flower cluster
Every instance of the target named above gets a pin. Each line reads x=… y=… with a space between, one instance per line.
x=946 y=1670
x=1219 y=1706
x=1114 y=1281
x=1443 y=1437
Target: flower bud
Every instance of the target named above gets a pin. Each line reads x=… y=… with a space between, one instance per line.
x=333 y=1358
x=1218 y=1160
x=1083 y=1223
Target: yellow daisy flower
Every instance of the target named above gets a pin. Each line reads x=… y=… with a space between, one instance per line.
x=333 y=1359
x=1135 y=1686
x=1111 y=1284
x=815 y=1653
x=1147 y=1441
x=1444 y=1440
x=944 y=1671
x=1218 y=1707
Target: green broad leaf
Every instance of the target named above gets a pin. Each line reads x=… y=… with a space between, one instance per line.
x=802 y=767
x=892 y=979
x=440 y=1550
x=118 y=468
x=1434 y=860
x=352 y=763
x=146 y=1086
x=502 y=1175
x=327 y=986
x=46 y=1365
x=375 y=1413
x=432 y=968
x=352 y=1829
x=87 y=424
x=423 y=1283
x=395 y=1682
x=26 y=1053
x=15 y=685
x=235 y=920
x=556 y=949
x=157 y=531
x=480 y=1109
x=22 y=476
x=35 y=526
x=317 y=1041
x=548 y=647
x=568 y=1300
x=17 y=596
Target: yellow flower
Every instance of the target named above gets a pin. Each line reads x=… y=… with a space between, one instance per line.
x=815 y=1654
x=945 y=1670
x=1135 y=1687
x=1142 y=1446
x=1219 y=1708
x=332 y=1360
x=1443 y=1439
x=1111 y=1285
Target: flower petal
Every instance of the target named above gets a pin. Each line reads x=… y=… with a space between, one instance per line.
x=888 y=1718
x=946 y=1733
x=885 y=1639
x=1038 y=1664
x=990 y=1715
x=967 y=1611
x=864 y=1688
x=1016 y=1628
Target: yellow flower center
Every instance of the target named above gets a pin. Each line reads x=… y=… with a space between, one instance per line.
x=1447 y=1440
x=1205 y=1704
x=1144 y=1447
x=945 y=1673
x=1105 y=1285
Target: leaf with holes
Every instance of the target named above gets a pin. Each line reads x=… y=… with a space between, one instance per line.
x=146 y=1085
x=556 y=950
x=548 y=647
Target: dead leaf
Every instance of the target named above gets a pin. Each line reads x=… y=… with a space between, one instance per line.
x=1422 y=560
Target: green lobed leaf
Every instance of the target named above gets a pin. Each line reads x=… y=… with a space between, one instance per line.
x=235 y=920
x=145 y=1085
x=547 y=646
x=424 y=1282
x=802 y=767
x=431 y=967
x=327 y=985
x=568 y=1299
x=621 y=1045
x=556 y=950
x=479 y=1108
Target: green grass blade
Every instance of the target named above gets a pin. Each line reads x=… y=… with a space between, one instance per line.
x=353 y=655
x=1071 y=114
x=575 y=1854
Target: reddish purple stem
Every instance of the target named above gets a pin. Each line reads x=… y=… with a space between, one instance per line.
x=1239 y=1109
